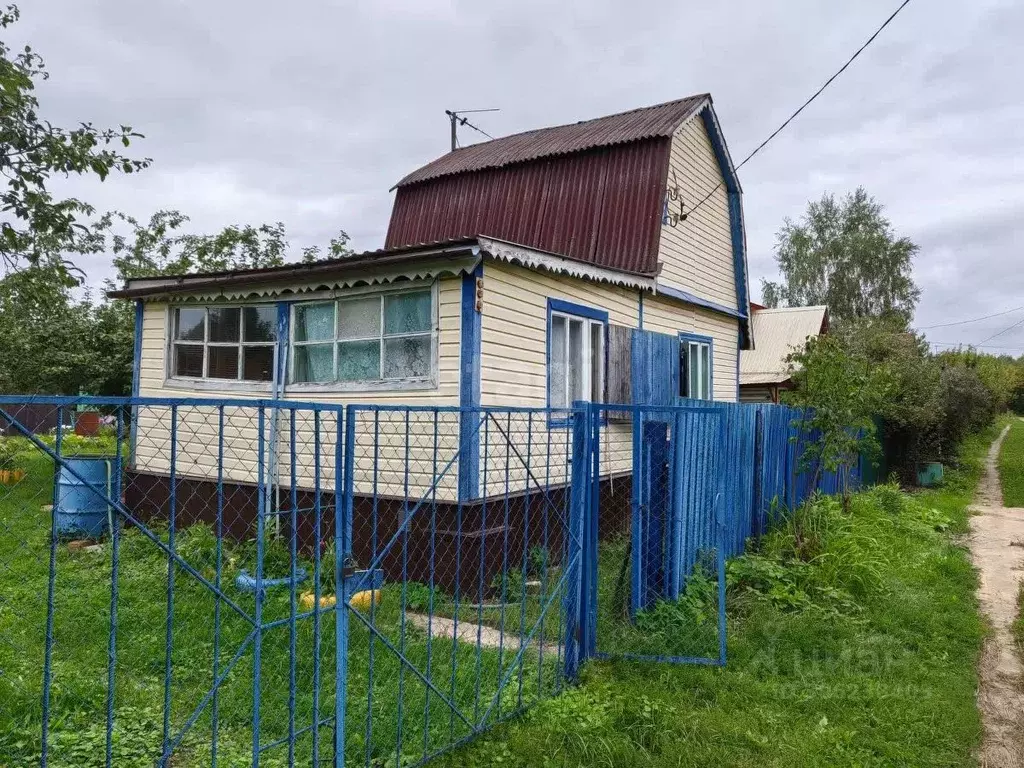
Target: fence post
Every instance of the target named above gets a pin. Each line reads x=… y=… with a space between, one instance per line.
x=589 y=644
x=344 y=471
x=575 y=589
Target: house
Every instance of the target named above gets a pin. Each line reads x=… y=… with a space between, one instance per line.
x=520 y=272
x=766 y=371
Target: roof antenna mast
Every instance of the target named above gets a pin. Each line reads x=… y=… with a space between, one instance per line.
x=455 y=117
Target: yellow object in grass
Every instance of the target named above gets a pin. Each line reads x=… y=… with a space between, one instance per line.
x=362 y=600
x=308 y=598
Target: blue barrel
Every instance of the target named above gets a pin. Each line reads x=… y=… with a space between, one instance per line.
x=81 y=512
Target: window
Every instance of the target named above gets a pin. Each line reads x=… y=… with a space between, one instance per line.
x=373 y=337
x=695 y=367
x=233 y=343
x=576 y=361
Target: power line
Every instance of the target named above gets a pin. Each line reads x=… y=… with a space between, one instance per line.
x=1005 y=330
x=807 y=103
x=968 y=344
x=972 y=320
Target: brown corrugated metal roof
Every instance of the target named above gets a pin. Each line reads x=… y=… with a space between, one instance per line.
x=660 y=120
x=601 y=206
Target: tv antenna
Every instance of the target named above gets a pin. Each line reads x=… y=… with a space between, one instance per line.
x=455 y=117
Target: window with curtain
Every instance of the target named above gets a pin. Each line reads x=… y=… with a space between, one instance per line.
x=695 y=368
x=232 y=343
x=576 y=364
x=369 y=338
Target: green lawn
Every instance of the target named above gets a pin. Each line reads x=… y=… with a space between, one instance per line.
x=852 y=641
x=405 y=720
x=1011 y=465
x=864 y=656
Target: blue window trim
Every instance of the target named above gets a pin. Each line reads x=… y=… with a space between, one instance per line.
x=469 y=387
x=685 y=336
x=579 y=310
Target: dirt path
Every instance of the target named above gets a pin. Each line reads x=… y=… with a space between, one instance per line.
x=994 y=528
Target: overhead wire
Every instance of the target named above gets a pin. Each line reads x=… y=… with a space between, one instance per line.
x=1000 y=333
x=803 y=106
x=972 y=320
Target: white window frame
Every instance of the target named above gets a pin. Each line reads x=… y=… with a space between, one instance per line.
x=368 y=385
x=588 y=323
x=705 y=374
x=205 y=381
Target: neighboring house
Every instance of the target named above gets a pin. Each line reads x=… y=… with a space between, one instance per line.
x=766 y=371
x=516 y=272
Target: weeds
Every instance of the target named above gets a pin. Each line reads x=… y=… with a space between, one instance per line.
x=853 y=640
x=1011 y=465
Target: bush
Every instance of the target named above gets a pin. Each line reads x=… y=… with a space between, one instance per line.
x=967 y=404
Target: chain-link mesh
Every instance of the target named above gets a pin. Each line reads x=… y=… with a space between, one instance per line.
x=174 y=579
x=173 y=569
x=165 y=557
x=659 y=534
x=466 y=514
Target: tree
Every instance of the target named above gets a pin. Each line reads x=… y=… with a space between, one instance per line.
x=46 y=345
x=840 y=394
x=157 y=248
x=847 y=256
x=33 y=224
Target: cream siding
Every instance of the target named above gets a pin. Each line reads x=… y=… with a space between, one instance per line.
x=513 y=362
x=514 y=354
x=398 y=453
x=197 y=445
x=696 y=254
x=665 y=315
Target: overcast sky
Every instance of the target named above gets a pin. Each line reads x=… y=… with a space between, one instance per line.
x=308 y=112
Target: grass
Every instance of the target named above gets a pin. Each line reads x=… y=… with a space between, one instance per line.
x=399 y=718
x=853 y=641
x=1011 y=465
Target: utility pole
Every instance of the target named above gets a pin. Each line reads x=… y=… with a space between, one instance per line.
x=455 y=117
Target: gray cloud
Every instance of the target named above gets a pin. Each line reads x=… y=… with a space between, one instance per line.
x=309 y=113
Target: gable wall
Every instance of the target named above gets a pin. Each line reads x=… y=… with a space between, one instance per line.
x=697 y=254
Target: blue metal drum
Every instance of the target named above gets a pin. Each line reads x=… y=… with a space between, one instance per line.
x=82 y=512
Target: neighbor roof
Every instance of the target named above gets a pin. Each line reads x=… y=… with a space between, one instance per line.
x=779 y=332
x=660 y=120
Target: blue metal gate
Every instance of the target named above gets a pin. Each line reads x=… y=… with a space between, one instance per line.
x=476 y=618
x=657 y=531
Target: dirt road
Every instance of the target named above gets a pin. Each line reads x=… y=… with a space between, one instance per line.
x=997 y=548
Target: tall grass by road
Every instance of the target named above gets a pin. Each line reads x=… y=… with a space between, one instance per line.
x=853 y=641
x=1011 y=465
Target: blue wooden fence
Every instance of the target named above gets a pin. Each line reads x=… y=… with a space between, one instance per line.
x=765 y=470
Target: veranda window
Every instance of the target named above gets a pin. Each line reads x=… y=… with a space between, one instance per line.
x=370 y=338
x=233 y=343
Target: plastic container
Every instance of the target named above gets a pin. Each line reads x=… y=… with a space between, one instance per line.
x=929 y=473
x=82 y=513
